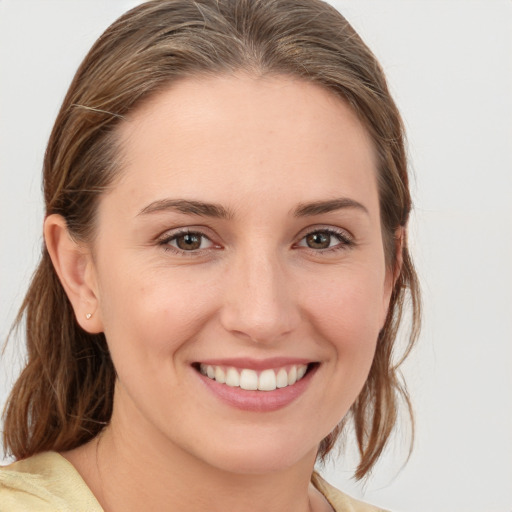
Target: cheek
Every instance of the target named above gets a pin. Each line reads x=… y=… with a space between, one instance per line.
x=348 y=313
x=346 y=322
x=148 y=317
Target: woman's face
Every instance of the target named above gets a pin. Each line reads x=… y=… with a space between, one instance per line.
x=242 y=242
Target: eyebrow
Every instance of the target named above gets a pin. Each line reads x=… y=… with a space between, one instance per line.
x=189 y=207
x=203 y=209
x=320 y=207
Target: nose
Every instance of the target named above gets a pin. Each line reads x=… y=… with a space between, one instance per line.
x=259 y=300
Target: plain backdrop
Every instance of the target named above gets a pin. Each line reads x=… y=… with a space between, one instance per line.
x=449 y=65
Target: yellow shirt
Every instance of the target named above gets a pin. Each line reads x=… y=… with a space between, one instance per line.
x=47 y=482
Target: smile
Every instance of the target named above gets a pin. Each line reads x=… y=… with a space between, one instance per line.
x=252 y=380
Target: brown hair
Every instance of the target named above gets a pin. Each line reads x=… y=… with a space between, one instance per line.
x=64 y=395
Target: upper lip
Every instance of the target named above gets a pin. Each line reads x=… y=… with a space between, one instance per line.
x=256 y=364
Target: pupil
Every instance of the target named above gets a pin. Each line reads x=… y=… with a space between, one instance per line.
x=189 y=242
x=318 y=240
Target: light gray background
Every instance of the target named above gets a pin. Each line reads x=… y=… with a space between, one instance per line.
x=449 y=64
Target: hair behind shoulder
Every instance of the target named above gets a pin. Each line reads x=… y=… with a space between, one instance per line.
x=64 y=395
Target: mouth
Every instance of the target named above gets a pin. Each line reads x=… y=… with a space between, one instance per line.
x=255 y=385
x=249 y=379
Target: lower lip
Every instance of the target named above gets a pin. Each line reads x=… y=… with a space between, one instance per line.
x=258 y=401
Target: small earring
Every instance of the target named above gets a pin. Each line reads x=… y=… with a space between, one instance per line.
x=88 y=316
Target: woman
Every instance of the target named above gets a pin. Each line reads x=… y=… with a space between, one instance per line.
x=224 y=269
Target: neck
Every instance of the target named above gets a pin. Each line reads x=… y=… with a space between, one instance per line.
x=125 y=473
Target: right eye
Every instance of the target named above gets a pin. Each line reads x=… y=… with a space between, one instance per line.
x=187 y=241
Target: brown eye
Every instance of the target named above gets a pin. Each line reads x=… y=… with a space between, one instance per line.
x=189 y=241
x=319 y=240
x=322 y=240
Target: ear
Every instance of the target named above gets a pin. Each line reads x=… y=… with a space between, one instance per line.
x=393 y=273
x=75 y=267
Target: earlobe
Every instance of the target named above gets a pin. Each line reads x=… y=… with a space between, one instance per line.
x=75 y=269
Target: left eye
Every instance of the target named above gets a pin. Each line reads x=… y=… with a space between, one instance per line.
x=189 y=241
x=322 y=240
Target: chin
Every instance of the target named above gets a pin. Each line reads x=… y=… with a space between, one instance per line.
x=261 y=456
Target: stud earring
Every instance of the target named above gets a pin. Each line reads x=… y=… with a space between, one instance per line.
x=88 y=316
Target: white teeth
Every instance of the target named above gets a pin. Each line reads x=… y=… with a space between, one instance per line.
x=249 y=380
x=220 y=375
x=292 y=376
x=282 y=378
x=232 y=378
x=267 y=380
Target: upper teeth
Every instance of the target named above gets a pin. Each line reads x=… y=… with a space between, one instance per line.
x=267 y=380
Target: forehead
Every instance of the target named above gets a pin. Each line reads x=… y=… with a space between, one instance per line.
x=266 y=135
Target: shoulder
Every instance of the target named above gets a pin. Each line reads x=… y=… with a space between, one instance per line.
x=340 y=501
x=44 y=482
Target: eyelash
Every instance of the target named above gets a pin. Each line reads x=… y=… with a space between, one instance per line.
x=345 y=241
x=167 y=239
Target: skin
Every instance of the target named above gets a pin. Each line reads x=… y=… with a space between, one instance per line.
x=260 y=148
